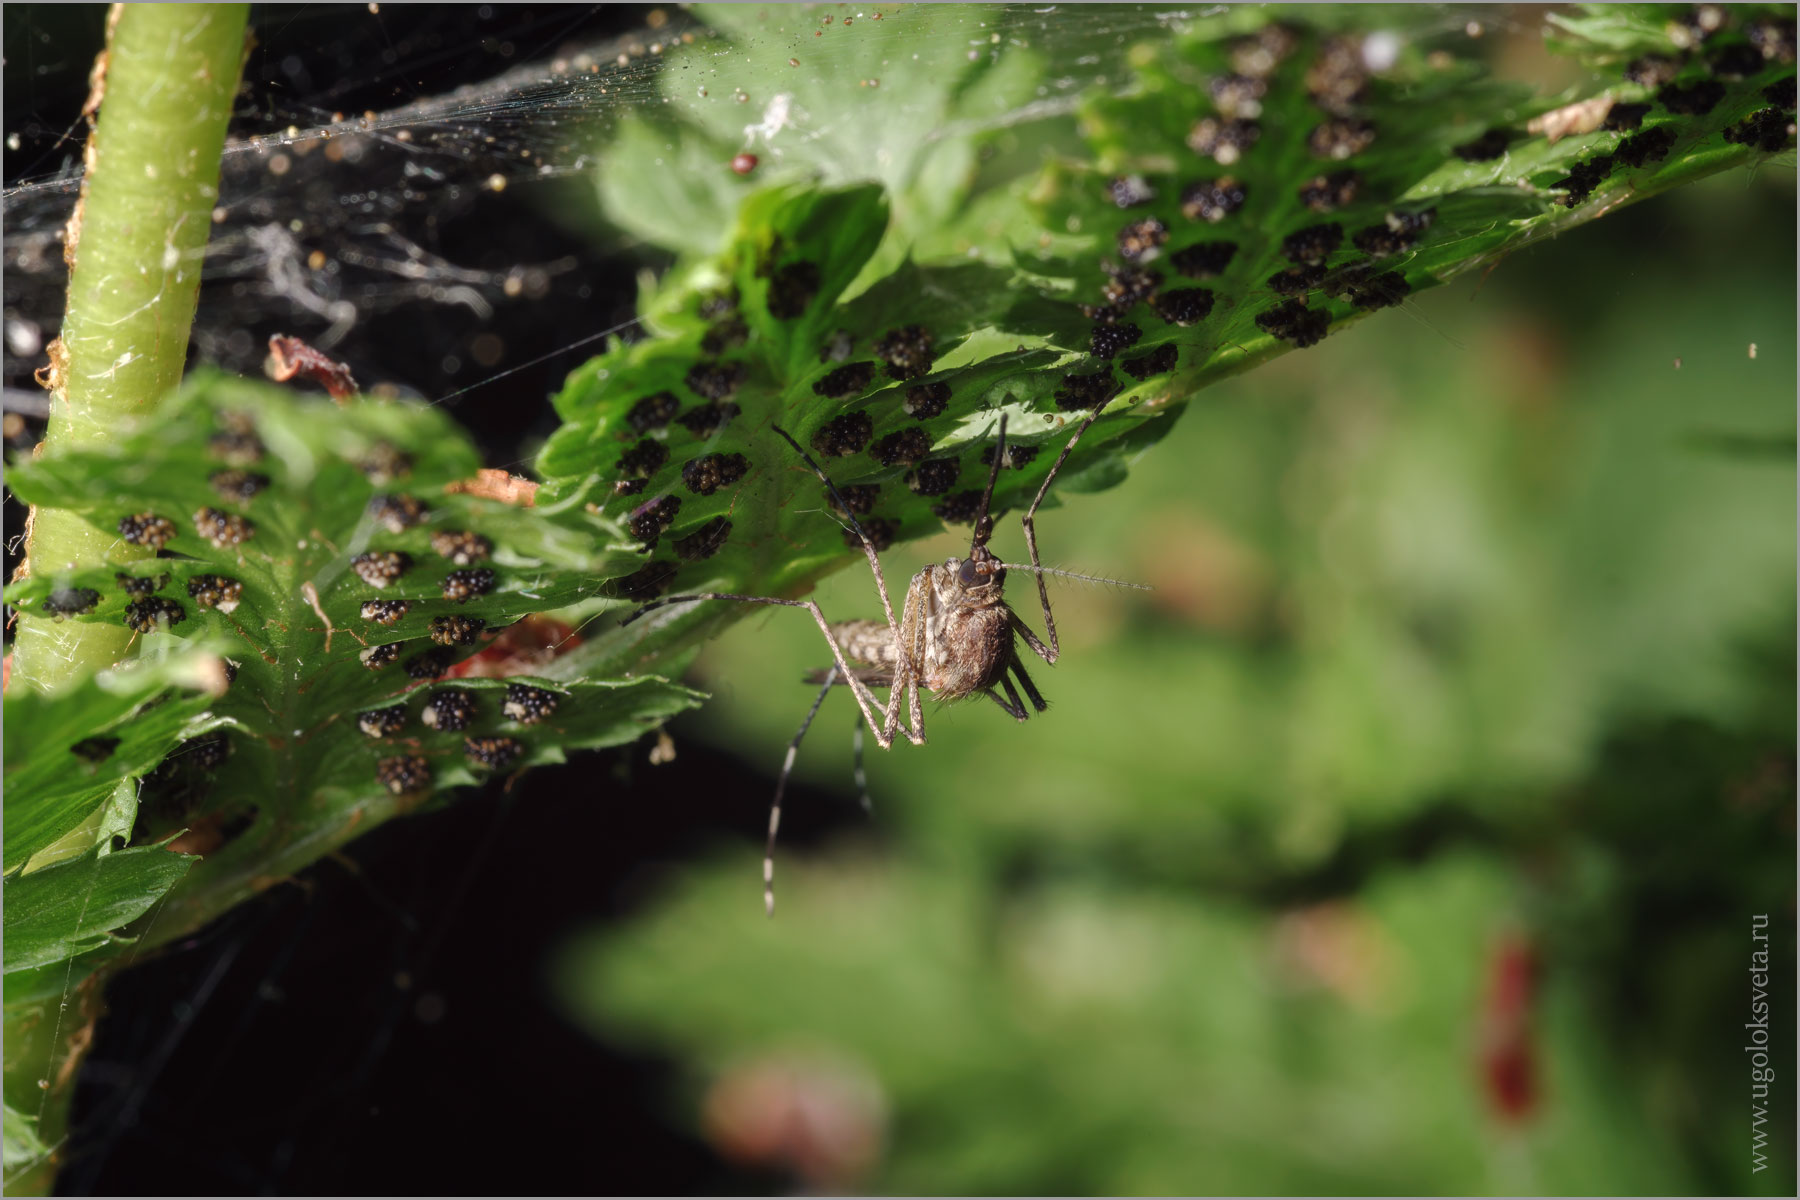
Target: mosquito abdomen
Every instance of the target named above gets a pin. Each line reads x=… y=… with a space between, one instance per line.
x=870 y=642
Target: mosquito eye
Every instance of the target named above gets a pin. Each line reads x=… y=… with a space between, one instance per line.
x=968 y=574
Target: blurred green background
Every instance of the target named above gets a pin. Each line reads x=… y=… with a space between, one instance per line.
x=1406 y=838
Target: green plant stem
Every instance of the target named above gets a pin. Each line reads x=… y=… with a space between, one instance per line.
x=137 y=241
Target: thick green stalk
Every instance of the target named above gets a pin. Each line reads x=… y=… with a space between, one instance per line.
x=135 y=245
x=136 y=242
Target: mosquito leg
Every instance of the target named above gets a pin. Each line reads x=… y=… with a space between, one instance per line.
x=865 y=699
x=1031 y=692
x=887 y=605
x=1049 y=654
x=915 y=619
x=857 y=772
x=1015 y=710
x=916 y=734
x=1031 y=639
x=984 y=524
x=921 y=608
x=787 y=768
x=1007 y=685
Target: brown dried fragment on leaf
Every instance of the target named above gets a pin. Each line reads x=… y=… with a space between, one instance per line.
x=491 y=483
x=90 y=108
x=290 y=358
x=54 y=375
x=1584 y=116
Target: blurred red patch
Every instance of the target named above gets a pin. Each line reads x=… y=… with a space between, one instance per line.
x=1509 y=1055
x=821 y=1117
x=523 y=648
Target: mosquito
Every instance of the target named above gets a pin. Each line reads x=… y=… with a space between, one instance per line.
x=956 y=636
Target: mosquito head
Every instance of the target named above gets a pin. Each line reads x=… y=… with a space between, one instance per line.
x=979 y=575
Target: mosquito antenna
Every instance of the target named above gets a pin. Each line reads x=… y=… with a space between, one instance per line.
x=1058 y=571
x=984 y=524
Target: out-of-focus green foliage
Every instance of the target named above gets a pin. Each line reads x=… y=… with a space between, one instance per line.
x=1469 y=631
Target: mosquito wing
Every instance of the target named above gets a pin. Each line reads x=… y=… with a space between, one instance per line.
x=875 y=677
